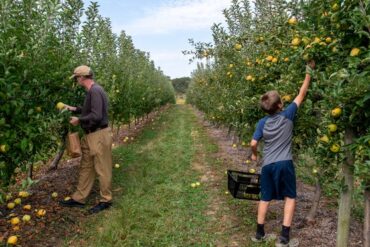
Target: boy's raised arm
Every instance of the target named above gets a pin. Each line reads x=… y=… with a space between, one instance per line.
x=306 y=83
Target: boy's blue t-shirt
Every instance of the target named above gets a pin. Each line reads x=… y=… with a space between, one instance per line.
x=277 y=132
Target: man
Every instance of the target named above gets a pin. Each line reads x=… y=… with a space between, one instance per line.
x=96 y=144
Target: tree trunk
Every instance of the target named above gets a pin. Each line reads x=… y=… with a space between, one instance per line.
x=30 y=171
x=310 y=218
x=367 y=218
x=345 y=203
x=117 y=133
x=58 y=157
x=112 y=124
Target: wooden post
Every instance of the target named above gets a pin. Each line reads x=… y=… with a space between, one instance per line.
x=345 y=202
x=367 y=217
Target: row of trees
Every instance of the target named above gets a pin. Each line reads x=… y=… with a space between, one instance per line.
x=265 y=47
x=41 y=43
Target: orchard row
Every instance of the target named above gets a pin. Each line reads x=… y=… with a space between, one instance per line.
x=266 y=47
x=41 y=43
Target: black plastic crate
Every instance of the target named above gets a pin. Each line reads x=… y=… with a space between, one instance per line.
x=244 y=185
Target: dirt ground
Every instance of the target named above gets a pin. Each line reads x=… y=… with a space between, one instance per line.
x=60 y=222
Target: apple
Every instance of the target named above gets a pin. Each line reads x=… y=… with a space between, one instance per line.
x=26 y=218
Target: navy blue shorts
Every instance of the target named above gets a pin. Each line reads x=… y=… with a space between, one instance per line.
x=278 y=181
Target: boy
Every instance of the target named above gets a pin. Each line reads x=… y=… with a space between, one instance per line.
x=278 y=179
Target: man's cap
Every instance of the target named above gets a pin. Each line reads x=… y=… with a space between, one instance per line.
x=82 y=70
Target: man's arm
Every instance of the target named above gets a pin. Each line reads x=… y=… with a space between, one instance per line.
x=306 y=83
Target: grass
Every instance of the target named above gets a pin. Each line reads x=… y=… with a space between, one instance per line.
x=154 y=203
x=156 y=206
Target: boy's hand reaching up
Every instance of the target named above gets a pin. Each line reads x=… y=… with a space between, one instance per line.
x=310 y=66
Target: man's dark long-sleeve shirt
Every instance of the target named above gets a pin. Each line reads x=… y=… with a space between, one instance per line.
x=94 y=113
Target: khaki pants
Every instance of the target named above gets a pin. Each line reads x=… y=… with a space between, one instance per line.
x=96 y=160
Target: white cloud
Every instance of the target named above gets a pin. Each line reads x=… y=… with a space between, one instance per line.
x=173 y=63
x=180 y=15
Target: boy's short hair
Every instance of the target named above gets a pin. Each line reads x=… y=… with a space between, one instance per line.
x=270 y=102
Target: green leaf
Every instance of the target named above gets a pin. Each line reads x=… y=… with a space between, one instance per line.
x=24 y=144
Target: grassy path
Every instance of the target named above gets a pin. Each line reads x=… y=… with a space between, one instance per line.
x=154 y=203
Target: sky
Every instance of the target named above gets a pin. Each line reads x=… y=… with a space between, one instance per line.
x=163 y=27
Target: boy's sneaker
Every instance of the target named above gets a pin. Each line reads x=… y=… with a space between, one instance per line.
x=284 y=242
x=266 y=238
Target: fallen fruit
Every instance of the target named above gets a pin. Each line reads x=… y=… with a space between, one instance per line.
x=41 y=212
x=116 y=166
x=18 y=201
x=67 y=198
x=12 y=240
x=11 y=205
x=15 y=221
x=252 y=170
x=26 y=218
x=23 y=194
x=197 y=184
x=193 y=185
x=27 y=207
x=54 y=195
x=8 y=197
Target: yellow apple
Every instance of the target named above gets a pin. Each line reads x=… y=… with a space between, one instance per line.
x=324 y=138
x=15 y=221
x=355 y=52
x=335 y=148
x=296 y=41
x=332 y=127
x=41 y=212
x=60 y=106
x=23 y=194
x=18 y=201
x=292 y=21
x=336 y=112
x=26 y=218
x=12 y=240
